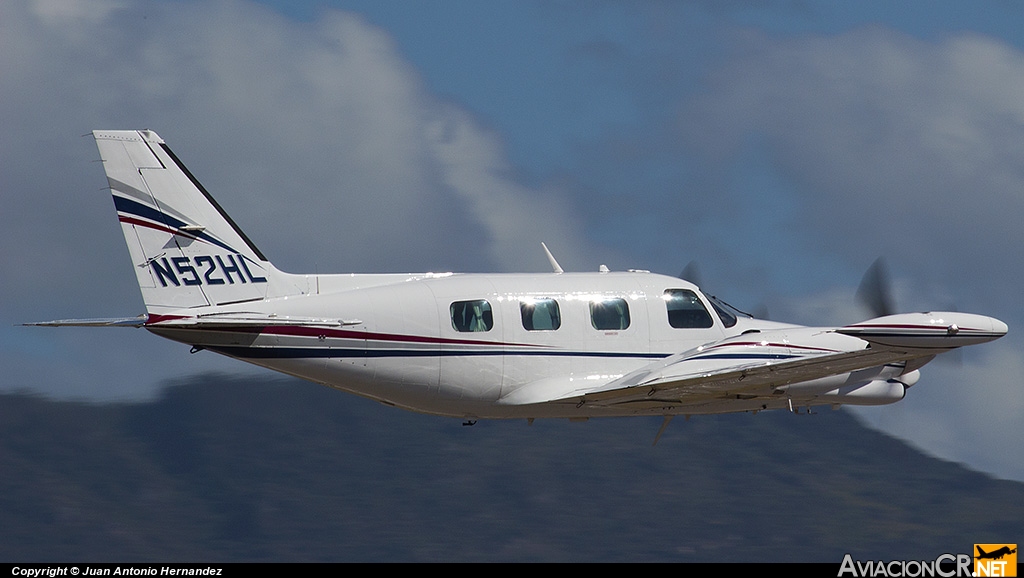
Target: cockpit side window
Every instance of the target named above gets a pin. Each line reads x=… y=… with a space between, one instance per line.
x=609 y=314
x=468 y=316
x=540 y=314
x=685 y=310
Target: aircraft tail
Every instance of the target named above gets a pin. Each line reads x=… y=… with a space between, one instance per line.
x=186 y=250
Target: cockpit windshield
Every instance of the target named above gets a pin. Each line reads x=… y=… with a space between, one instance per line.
x=727 y=313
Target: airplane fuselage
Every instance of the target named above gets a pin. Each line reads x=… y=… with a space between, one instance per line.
x=397 y=341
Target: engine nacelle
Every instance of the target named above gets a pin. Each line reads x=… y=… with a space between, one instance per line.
x=876 y=392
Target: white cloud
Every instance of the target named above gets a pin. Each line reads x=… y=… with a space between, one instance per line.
x=476 y=170
x=319 y=139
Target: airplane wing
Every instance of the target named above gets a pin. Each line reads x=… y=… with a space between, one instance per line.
x=744 y=367
x=756 y=364
x=739 y=368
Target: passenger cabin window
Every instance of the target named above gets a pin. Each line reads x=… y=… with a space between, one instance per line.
x=609 y=314
x=540 y=314
x=685 y=310
x=470 y=316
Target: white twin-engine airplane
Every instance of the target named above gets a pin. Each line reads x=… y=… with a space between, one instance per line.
x=567 y=345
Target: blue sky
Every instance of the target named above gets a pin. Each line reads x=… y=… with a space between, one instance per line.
x=783 y=145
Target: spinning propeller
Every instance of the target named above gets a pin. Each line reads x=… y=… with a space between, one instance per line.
x=692 y=274
x=875 y=293
x=875 y=290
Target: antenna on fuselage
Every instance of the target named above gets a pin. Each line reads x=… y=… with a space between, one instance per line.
x=551 y=259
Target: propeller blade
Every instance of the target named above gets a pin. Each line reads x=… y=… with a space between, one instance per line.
x=691 y=273
x=875 y=291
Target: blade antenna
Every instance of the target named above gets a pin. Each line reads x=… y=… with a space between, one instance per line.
x=551 y=259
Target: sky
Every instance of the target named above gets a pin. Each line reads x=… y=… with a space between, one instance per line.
x=784 y=146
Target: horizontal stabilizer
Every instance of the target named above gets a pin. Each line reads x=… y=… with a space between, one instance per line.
x=244 y=319
x=108 y=322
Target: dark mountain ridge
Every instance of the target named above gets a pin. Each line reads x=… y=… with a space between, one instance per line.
x=262 y=469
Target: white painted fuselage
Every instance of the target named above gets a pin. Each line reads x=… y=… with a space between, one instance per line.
x=395 y=342
x=400 y=346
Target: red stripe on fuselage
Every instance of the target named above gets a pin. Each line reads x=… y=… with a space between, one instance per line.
x=307 y=331
x=369 y=335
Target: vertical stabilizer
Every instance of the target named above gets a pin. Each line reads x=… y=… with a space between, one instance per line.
x=186 y=251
